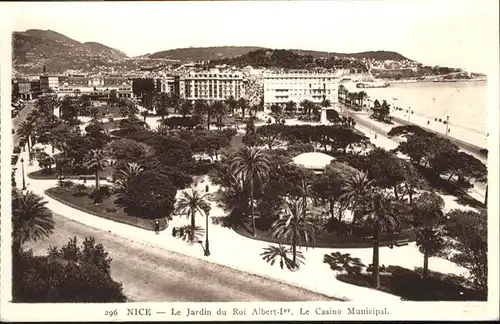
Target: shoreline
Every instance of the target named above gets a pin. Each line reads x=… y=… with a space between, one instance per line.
x=429 y=81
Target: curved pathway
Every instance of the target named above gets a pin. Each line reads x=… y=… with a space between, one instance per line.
x=235 y=251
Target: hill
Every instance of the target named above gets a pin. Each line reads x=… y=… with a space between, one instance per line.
x=222 y=52
x=34 y=48
x=203 y=53
x=288 y=59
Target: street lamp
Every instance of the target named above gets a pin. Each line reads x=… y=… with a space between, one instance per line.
x=22 y=169
x=447 y=124
x=207 y=248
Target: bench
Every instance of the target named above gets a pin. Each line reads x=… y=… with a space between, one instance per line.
x=401 y=243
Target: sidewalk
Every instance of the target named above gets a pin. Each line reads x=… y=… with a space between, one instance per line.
x=233 y=250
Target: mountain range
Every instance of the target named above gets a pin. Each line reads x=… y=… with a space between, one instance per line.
x=34 y=48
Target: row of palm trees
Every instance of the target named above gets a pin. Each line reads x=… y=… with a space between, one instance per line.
x=207 y=109
x=353 y=99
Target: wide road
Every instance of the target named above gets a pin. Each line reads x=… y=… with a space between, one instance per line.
x=149 y=273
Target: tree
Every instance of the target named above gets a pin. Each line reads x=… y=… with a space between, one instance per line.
x=186 y=108
x=271 y=253
x=148 y=100
x=219 y=111
x=70 y=273
x=190 y=203
x=269 y=134
x=150 y=195
x=277 y=111
x=113 y=98
x=376 y=209
x=124 y=174
x=307 y=107
x=386 y=169
x=469 y=245
x=355 y=187
x=31 y=220
x=161 y=103
x=232 y=104
x=96 y=162
x=428 y=220
x=290 y=107
x=250 y=164
x=243 y=105
x=295 y=227
x=130 y=151
x=26 y=131
x=127 y=108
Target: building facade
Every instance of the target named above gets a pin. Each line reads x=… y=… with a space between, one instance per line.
x=95 y=86
x=168 y=84
x=210 y=85
x=296 y=86
x=50 y=83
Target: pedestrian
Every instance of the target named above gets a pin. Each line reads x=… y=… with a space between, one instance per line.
x=206 y=188
x=181 y=232
x=174 y=231
x=157 y=227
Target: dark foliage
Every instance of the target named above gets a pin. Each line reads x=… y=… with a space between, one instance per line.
x=70 y=273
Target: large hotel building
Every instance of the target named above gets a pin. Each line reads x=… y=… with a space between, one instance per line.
x=210 y=85
x=296 y=86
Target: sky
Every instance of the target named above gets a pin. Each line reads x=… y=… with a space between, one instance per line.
x=457 y=33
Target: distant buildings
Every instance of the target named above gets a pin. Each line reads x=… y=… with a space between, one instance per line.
x=95 y=86
x=296 y=86
x=26 y=89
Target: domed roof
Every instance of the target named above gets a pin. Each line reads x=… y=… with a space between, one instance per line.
x=313 y=160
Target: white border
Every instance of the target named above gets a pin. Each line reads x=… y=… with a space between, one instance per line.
x=95 y=312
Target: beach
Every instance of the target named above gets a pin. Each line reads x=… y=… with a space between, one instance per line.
x=457 y=109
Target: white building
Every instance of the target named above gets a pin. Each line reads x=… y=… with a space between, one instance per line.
x=95 y=86
x=296 y=86
x=210 y=85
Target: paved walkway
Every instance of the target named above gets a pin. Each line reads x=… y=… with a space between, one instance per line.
x=231 y=249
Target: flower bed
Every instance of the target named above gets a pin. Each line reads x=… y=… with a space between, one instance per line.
x=108 y=209
x=409 y=285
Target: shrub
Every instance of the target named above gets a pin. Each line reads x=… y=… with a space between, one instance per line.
x=66 y=184
x=103 y=193
x=111 y=210
x=80 y=190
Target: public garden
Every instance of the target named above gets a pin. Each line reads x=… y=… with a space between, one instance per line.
x=397 y=221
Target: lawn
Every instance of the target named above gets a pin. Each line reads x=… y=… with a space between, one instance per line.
x=108 y=209
x=115 y=124
x=409 y=285
x=325 y=239
x=38 y=175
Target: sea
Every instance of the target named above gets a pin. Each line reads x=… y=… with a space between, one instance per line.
x=464 y=104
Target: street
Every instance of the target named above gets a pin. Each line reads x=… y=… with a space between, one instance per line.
x=20 y=118
x=149 y=273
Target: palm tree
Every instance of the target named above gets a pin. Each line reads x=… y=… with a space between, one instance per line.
x=192 y=202
x=294 y=227
x=31 y=219
x=307 y=106
x=97 y=162
x=376 y=209
x=326 y=103
x=26 y=131
x=355 y=187
x=127 y=172
x=243 y=104
x=361 y=96
x=428 y=220
x=250 y=164
x=219 y=111
x=232 y=104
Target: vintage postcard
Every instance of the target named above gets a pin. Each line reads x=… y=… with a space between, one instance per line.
x=249 y=161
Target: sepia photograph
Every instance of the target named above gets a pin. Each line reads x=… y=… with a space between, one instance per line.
x=249 y=160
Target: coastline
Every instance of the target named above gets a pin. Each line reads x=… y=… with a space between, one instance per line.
x=440 y=81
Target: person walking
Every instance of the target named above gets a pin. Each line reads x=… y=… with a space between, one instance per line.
x=157 y=227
